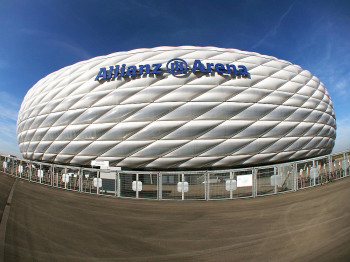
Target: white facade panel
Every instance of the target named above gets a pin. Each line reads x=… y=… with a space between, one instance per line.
x=193 y=120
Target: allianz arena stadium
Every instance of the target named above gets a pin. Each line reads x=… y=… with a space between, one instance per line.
x=177 y=108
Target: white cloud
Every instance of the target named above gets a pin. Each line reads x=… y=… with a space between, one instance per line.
x=274 y=30
x=9 y=107
x=78 y=51
x=8 y=129
x=9 y=148
x=8 y=118
x=341 y=87
x=8 y=113
x=9 y=99
x=34 y=32
x=52 y=39
x=342 y=141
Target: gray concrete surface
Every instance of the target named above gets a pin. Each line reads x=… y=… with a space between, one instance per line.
x=47 y=224
x=5 y=188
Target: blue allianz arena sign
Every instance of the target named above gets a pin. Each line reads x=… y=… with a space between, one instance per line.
x=174 y=66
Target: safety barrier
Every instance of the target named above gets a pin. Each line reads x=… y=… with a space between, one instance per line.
x=184 y=185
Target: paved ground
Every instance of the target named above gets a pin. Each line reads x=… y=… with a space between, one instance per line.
x=5 y=187
x=47 y=224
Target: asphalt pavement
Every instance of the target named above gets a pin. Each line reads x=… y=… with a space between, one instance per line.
x=49 y=224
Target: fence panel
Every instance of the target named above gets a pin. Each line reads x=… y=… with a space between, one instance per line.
x=47 y=174
x=244 y=180
x=19 y=168
x=26 y=170
x=225 y=184
x=286 y=173
x=323 y=171
x=108 y=182
x=149 y=185
x=303 y=170
x=15 y=167
x=266 y=181
x=87 y=181
x=336 y=166
x=222 y=185
x=59 y=175
x=35 y=175
x=347 y=160
x=126 y=181
x=196 y=188
x=170 y=186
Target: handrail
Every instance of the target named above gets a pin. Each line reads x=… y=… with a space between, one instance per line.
x=185 y=184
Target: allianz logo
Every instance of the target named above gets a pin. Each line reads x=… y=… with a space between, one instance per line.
x=175 y=66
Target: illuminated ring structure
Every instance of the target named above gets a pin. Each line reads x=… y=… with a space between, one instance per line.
x=278 y=112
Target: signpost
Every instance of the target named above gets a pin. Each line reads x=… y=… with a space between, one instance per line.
x=97 y=182
x=65 y=179
x=245 y=180
x=101 y=164
x=40 y=174
x=276 y=180
x=182 y=187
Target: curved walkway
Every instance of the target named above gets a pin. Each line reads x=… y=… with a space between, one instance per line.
x=47 y=224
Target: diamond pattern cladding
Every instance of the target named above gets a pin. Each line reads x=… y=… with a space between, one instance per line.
x=280 y=113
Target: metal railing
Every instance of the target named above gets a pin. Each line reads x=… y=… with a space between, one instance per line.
x=184 y=185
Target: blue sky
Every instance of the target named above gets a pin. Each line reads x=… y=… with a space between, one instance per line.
x=39 y=37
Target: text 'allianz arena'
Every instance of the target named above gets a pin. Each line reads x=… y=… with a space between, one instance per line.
x=177 y=108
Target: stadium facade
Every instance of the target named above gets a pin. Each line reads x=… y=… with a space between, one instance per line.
x=177 y=108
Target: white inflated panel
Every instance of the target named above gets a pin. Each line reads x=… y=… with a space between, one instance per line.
x=194 y=121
